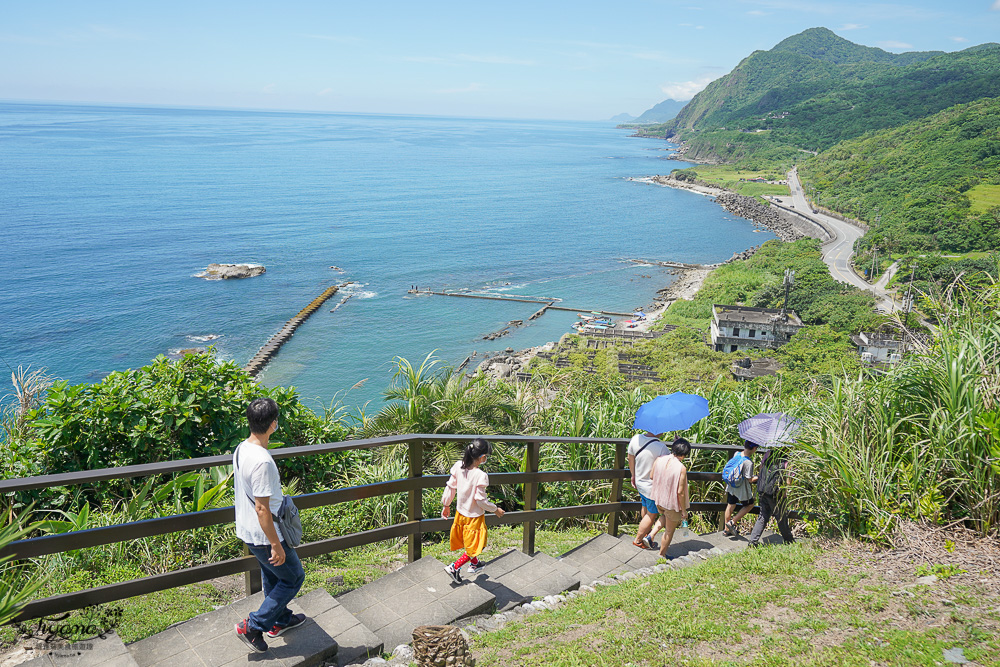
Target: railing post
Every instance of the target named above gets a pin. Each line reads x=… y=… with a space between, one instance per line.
x=616 y=488
x=414 y=508
x=531 y=456
x=253 y=584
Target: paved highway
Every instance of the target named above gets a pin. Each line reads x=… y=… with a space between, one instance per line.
x=837 y=252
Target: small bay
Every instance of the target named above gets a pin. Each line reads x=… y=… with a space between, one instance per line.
x=108 y=213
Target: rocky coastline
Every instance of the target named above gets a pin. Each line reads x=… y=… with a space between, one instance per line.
x=770 y=218
x=508 y=363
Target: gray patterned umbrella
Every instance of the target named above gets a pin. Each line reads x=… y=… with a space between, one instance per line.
x=770 y=429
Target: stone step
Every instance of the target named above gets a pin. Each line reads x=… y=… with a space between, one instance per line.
x=420 y=593
x=109 y=651
x=606 y=556
x=515 y=578
x=210 y=639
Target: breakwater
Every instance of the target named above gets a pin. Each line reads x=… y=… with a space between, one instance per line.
x=547 y=303
x=274 y=343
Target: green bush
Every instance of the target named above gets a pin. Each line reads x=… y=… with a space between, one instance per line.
x=189 y=408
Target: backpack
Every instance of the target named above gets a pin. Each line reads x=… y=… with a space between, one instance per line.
x=732 y=474
x=772 y=474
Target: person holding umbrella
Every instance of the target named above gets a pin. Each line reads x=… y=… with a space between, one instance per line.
x=643 y=451
x=673 y=412
x=774 y=431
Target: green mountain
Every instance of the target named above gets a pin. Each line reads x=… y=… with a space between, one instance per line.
x=661 y=113
x=928 y=185
x=800 y=67
x=815 y=89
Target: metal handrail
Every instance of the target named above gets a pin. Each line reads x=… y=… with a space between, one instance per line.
x=413 y=528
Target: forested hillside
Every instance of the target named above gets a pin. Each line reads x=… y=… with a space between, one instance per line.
x=931 y=184
x=800 y=67
x=909 y=143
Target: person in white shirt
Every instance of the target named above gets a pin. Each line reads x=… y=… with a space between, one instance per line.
x=258 y=496
x=643 y=450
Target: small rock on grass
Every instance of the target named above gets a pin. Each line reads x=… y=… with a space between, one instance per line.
x=955 y=655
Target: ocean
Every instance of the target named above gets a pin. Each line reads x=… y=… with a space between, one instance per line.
x=108 y=214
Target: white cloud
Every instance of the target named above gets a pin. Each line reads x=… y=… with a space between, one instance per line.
x=685 y=90
x=268 y=89
x=342 y=39
x=960 y=40
x=432 y=60
x=471 y=88
x=492 y=60
x=893 y=44
x=996 y=5
x=467 y=58
x=325 y=92
x=88 y=33
x=112 y=33
x=757 y=12
x=852 y=26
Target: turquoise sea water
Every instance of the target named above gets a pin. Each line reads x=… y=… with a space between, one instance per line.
x=107 y=214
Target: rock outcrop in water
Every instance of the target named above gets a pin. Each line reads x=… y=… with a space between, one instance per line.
x=231 y=271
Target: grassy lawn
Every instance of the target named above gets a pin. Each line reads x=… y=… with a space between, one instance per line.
x=797 y=605
x=983 y=197
x=729 y=177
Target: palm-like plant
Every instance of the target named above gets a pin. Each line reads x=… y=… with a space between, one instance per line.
x=16 y=587
x=428 y=399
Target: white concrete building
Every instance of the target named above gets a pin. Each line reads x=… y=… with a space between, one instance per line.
x=738 y=328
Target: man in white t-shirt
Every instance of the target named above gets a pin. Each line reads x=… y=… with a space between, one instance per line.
x=258 y=496
x=643 y=450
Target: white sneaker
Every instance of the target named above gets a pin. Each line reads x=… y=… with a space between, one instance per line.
x=648 y=541
x=476 y=568
x=455 y=575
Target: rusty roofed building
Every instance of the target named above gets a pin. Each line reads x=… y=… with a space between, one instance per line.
x=738 y=328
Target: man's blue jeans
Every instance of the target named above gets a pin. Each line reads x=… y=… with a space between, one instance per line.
x=281 y=584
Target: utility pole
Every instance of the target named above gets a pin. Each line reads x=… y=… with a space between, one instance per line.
x=907 y=304
x=789 y=281
x=874 y=258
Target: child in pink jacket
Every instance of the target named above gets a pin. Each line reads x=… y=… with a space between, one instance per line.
x=468 y=482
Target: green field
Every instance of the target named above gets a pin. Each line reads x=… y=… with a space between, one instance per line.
x=728 y=176
x=984 y=197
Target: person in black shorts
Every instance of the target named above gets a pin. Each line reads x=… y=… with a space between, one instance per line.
x=742 y=492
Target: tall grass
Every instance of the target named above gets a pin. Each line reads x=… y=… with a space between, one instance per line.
x=921 y=441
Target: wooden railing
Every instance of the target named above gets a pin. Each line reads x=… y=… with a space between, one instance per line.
x=413 y=528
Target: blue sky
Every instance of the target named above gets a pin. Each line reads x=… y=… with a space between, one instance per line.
x=571 y=60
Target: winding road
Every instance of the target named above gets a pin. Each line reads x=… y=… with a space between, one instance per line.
x=837 y=251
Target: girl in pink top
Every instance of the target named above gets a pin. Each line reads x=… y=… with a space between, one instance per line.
x=670 y=489
x=468 y=482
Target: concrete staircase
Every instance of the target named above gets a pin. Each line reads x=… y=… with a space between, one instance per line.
x=381 y=615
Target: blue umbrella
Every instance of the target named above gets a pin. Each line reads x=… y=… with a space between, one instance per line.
x=770 y=429
x=673 y=412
